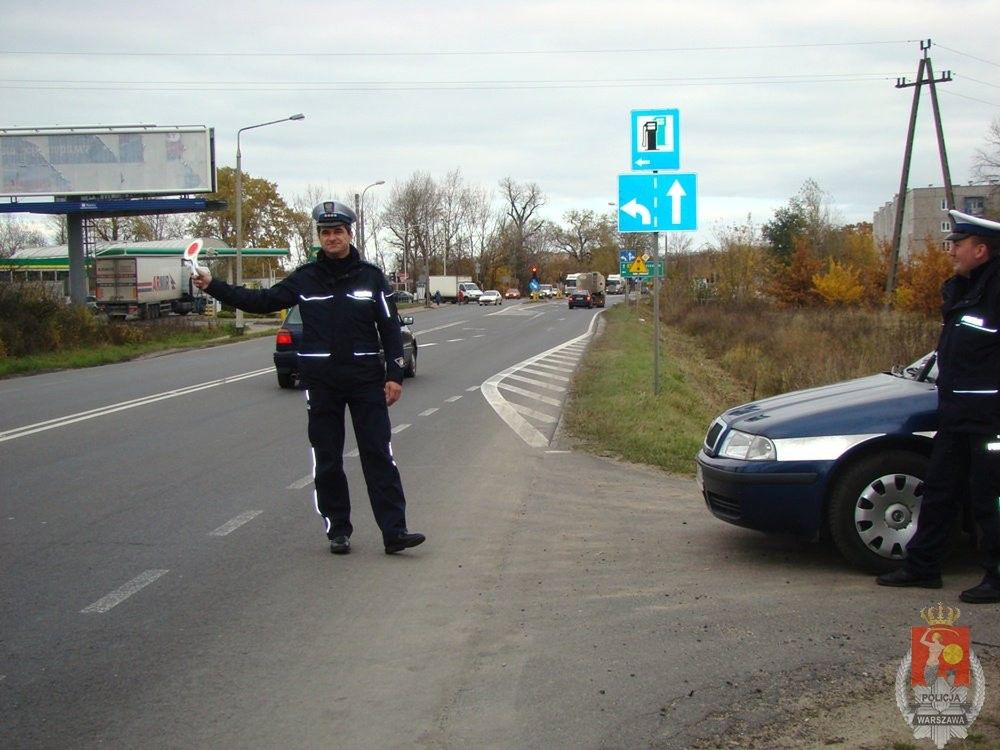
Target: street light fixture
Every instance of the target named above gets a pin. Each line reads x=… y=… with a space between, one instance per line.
x=361 y=216
x=239 y=207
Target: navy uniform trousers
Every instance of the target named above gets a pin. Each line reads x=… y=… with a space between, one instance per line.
x=373 y=432
x=963 y=465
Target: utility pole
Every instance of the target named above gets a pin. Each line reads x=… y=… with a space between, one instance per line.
x=897 y=232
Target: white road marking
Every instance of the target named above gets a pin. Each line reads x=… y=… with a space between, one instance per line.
x=452 y=400
x=230 y=526
x=539 y=415
x=301 y=483
x=566 y=359
x=543 y=374
x=472 y=388
x=539 y=383
x=530 y=394
x=511 y=415
x=122 y=593
x=430 y=343
x=51 y=424
x=399 y=428
x=452 y=341
x=427 y=412
x=557 y=368
x=425 y=331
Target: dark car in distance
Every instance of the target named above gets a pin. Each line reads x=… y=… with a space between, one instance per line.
x=286 y=348
x=844 y=462
x=581 y=298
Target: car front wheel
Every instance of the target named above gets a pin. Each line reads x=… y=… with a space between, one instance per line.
x=874 y=509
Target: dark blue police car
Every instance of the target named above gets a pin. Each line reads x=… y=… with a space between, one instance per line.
x=843 y=461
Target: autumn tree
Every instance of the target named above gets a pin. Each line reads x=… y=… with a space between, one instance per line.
x=808 y=214
x=857 y=248
x=267 y=220
x=840 y=285
x=920 y=280
x=741 y=264
x=792 y=285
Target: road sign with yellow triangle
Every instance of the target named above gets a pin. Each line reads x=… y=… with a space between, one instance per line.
x=638 y=267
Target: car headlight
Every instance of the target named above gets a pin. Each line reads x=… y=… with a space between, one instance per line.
x=748 y=447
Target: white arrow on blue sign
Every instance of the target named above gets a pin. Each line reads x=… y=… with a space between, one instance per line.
x=626 y=256
x=656 y=139
x=657 y=202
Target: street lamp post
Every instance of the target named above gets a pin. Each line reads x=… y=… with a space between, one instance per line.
x=239 y=207
x=361 y=217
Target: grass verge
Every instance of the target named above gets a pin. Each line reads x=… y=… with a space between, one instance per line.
x=106 y=354
x=612 y=410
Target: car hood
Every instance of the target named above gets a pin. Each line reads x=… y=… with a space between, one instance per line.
x=875 y=404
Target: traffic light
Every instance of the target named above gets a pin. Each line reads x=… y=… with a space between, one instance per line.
x=534 y=272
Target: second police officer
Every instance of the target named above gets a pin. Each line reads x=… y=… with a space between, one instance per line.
x=965 y=457
x=348 y=314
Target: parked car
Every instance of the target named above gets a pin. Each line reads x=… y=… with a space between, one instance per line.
x=401 y=295
x=286 y=348
x=545 y=291
x=512 y=294
x=844 y=462
x=580 y=298
x=490 y=297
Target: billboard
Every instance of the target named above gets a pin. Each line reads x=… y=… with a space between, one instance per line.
x=97 y=161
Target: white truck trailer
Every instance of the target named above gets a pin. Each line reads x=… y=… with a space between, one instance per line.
x=141 y=287
x=453 y=288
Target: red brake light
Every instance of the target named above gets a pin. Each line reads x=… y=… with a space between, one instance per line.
x=284 y=338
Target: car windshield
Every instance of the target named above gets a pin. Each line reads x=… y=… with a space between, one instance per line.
x=923 y=370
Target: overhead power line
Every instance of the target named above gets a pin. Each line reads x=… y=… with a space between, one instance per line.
x=445 y=53
x=470 y=85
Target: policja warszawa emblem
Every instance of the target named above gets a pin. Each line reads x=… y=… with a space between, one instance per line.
x=940 y=685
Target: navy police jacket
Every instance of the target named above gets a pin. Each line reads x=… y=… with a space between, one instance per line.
x=348 y=311
x=969 y=352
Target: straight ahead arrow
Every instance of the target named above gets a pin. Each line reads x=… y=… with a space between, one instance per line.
x=676 y=192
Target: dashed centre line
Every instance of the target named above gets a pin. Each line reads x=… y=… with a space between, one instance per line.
x=123 y=592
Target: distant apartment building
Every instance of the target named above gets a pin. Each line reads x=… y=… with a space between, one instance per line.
x=925 y=216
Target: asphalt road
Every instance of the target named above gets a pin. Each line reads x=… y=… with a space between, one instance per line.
x=166 y=582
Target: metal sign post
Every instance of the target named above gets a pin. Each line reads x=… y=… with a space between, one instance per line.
x=654 y=202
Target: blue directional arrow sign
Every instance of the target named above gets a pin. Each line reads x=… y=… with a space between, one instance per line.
x=657 y=202
x=656 y=139
x=626 y=256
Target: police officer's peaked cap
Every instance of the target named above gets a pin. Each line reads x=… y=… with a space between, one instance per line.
x=331 y=213
x=964 y=225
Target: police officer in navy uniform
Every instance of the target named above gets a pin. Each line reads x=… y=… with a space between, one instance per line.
x=347 y=311
x=965 y=458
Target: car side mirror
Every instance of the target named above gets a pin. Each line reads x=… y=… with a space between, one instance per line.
x=407 y=320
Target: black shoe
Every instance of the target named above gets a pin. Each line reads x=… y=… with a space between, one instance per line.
x=403 y=541
x=986 y=592
x=903 y=577
x=340 y=545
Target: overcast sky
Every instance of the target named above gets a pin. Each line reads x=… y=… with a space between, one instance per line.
x=770 y=94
